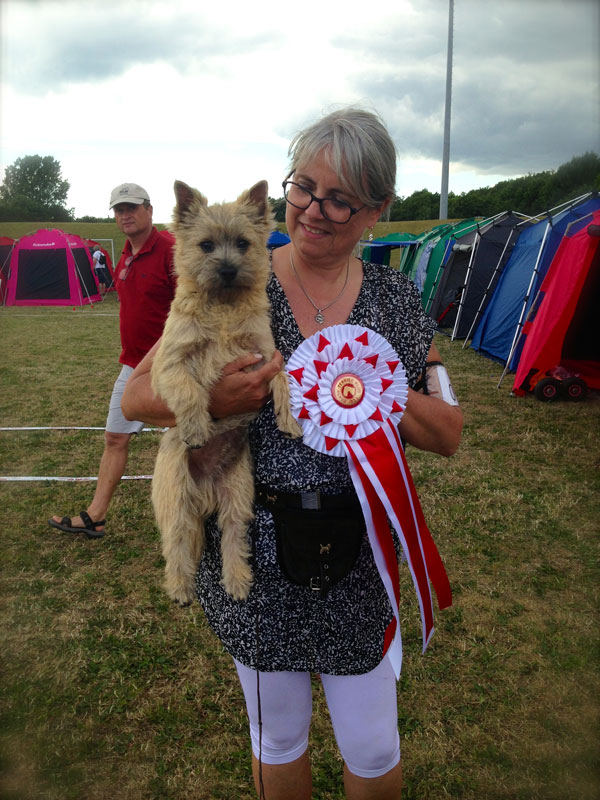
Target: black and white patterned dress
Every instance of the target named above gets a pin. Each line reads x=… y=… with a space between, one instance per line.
x=283 y=626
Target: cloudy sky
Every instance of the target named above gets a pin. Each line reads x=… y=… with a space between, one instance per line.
x=211 y=93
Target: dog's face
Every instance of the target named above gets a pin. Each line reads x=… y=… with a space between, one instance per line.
x=222 y=247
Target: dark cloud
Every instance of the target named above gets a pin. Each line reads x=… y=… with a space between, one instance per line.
x=525 y=94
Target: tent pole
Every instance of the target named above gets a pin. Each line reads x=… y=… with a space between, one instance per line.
x=577 y=222
x=520 y=323
x=571 y=203
x=466 y=286
x=8 y=271
x=80 y=276
x=437 y=277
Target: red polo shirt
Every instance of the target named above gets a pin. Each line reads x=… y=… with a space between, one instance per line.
x=146 y=285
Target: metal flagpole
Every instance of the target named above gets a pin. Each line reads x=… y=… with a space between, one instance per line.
x=446 y=154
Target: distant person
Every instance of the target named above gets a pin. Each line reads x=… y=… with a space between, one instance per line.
x=101 y=269
x=145 y=284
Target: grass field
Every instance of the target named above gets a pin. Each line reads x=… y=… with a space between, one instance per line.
x=109 y=691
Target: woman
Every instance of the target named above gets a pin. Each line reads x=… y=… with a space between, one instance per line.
x=342 y=178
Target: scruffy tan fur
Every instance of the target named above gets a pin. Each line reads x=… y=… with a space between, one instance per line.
x=220 y=312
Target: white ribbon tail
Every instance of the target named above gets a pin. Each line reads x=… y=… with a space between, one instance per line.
x=395 y=649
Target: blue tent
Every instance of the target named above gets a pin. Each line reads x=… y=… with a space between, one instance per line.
x=378 y=251
x=277 y=239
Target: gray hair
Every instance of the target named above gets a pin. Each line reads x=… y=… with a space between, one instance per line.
x=359 y=149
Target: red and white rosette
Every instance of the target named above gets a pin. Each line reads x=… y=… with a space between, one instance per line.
x=348 y=391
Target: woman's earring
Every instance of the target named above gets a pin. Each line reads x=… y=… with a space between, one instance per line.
x=370 y=234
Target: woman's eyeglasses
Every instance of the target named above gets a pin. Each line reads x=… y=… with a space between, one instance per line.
x=333 y=210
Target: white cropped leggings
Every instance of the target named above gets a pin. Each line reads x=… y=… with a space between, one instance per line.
x=363 y=710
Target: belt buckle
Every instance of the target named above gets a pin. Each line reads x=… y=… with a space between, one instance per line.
x=311 y=500
x=315 y=584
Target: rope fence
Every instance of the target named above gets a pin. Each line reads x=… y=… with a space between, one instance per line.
x=32 y=478
x=71 y=428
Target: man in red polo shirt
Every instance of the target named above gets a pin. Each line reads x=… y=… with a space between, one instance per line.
x=145 y=284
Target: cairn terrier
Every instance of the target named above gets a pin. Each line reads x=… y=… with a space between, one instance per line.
x=220 y=312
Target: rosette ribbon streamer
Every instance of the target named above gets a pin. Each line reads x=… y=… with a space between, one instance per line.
x=348 y=391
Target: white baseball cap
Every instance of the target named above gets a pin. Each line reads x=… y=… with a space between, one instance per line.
x=128 y=193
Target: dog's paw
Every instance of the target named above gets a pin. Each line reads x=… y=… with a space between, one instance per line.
x=289 y=426
x=192 y=437
x=237 y=582
x=181 y=595
x=182 y=605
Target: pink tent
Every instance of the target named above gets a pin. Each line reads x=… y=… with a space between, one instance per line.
x=6 y=248
x=50 y=268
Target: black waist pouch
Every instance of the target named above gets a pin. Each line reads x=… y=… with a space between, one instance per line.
x=318 y=548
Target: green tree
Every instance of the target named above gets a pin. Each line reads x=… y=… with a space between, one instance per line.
x=422 y=204
x=579 y=175
x=278 y=208
x=34 y=189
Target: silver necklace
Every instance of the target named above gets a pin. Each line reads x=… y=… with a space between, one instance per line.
x=320 y=309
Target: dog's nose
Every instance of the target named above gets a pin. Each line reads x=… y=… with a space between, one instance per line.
x=227 y=273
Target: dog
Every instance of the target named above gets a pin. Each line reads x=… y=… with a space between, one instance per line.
x=220 y=312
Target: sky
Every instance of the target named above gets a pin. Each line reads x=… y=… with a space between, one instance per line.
x=212 y=93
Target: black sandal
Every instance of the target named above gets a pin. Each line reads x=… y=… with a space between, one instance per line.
x=90 y=528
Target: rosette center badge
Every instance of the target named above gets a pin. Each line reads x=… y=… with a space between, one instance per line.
x=346 y=381
x=347 y=390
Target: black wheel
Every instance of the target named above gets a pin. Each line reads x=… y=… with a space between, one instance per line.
x=574 y=389
x=547 y=390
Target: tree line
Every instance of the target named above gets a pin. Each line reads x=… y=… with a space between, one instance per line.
x=531 y=194
x=34 y=190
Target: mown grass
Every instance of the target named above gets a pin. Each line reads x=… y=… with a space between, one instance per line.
x=110 y=691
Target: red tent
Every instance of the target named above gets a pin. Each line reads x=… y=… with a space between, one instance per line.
x=562 y=347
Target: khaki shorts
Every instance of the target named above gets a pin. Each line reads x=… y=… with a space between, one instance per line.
x=116 y=422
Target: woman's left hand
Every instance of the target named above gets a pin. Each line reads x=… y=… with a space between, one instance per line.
x=429 y=423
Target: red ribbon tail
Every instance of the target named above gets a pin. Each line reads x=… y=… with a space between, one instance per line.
x=435 y=565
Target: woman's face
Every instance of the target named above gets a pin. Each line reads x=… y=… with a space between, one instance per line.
x=318 y=241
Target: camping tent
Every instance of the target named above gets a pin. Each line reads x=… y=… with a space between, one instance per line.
x=378 y=251
x=51 y=267
x=444 y=292
x=6 y=248
x=471 y=274
x=439 y=256
x=277 y=239
x=418 y=268
x=560 y=335
x=498 y=331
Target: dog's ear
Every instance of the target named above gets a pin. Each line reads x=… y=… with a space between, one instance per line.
x=185 y=197
x=258 y=195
